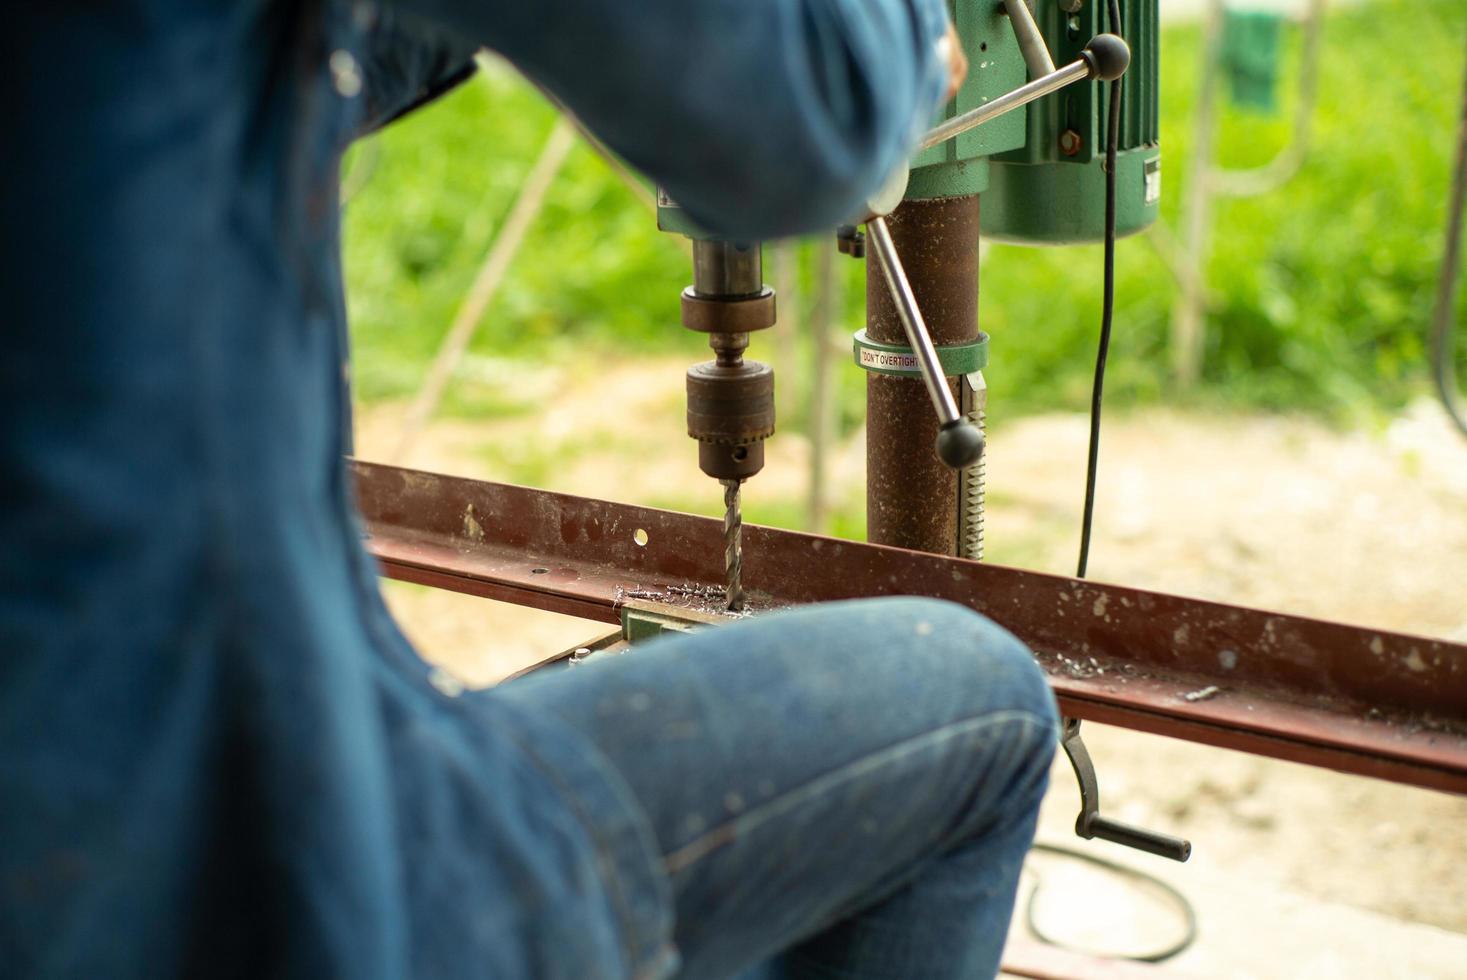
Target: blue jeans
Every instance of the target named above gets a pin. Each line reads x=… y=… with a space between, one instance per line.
x=841 y=791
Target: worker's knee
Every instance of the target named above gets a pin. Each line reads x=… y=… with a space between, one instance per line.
x=971 y=655
x=997 y=695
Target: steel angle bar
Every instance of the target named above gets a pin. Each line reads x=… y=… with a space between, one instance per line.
x=1358 y=700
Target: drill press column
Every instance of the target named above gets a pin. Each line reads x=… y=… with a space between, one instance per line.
x=730 y=400
x=911 y=496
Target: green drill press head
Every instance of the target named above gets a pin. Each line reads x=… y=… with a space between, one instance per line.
x=959 y=167
x=672 y=218
x=1051 y=191
x=1040 y=170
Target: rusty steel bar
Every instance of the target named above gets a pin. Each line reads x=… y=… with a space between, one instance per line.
x=1358 y=700
x=911 y=496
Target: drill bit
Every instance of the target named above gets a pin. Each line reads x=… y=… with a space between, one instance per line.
x=733 y=544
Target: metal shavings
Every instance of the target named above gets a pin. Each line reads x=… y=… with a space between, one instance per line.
x=708 y=599
x=1081 y=669
x=622 y=594
x=1203 y=694
x=699 y=591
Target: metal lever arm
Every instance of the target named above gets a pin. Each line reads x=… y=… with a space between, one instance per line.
x=1090 y=824
x=959 y=443
x=1031 y=42
x=1106 y=57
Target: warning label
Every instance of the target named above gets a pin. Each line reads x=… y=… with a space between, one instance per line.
x=887 y=361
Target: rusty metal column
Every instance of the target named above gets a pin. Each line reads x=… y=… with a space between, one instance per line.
x=911 y=497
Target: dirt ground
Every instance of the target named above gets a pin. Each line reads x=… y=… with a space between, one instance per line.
x=1366 y=527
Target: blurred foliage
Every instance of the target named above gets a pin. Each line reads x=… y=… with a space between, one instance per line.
x=1323 y=289
x=594 y=272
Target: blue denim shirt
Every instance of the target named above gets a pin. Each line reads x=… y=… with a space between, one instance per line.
x=218 y=756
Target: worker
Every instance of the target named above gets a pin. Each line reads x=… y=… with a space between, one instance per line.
x=218 y=755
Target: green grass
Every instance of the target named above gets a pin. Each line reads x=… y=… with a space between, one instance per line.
x=1324 y=287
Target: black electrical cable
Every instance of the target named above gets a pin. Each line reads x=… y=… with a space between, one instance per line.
x=1108 y=300
x=1189 y=912
x=1442 y=361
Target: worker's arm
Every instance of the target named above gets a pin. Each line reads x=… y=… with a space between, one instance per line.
x=761 y=117
x=407 y=62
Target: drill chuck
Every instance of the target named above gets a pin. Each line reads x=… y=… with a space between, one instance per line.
x=730 y=414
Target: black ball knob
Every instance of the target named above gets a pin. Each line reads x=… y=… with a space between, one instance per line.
x=959 y=444
x=1108 y=57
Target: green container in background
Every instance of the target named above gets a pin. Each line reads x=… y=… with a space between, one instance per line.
x=1051 y=191
x=1251 y=47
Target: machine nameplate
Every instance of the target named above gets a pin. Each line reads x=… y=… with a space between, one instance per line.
x=1151 y=174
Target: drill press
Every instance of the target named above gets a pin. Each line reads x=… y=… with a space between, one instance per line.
x=1051 y=168
x=731 y=400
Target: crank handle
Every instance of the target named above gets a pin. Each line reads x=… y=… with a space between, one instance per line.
x=1090 y=824
x=1093 y=825
x=1106 y=57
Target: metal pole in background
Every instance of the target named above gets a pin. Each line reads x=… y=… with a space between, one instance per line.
x=824 y=312
x=1286 y=165
x=1188 y=269
x=785 y=277
x=1188 y=326
x=911 y=496
x=1443 y=363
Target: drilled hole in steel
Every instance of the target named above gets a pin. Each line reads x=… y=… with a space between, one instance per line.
x=640 y=536
x=741 y=453
x=538 y=571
